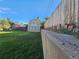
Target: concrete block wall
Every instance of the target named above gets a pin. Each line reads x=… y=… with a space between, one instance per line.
x=59 y=46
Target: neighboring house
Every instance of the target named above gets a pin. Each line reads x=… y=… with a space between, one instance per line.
x=19 y=27
x=34 y=25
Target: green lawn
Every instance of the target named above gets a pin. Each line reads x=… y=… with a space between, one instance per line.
x=20 y=45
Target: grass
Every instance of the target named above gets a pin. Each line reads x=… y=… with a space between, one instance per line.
x=20 y=45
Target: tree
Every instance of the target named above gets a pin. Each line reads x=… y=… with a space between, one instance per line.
x=46 y=18
x=11 y=22
x=1 y=29
x=5 y=24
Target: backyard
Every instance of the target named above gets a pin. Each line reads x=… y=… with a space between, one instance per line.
x=20 y=45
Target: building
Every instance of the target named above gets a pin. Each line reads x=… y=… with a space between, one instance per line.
x=61 y=46
x=76 y=3
x=67 y=12
x=34 y=25
x=19 y=27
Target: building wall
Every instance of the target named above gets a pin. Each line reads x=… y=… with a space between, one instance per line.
x=67 y=12
x=59 y=46
x=50 y=48
x=77 y=12
x=34 y=26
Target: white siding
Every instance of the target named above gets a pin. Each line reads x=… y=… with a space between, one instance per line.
x=34 y=26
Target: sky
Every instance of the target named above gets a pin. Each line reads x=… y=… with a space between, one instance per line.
x=25 y=10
